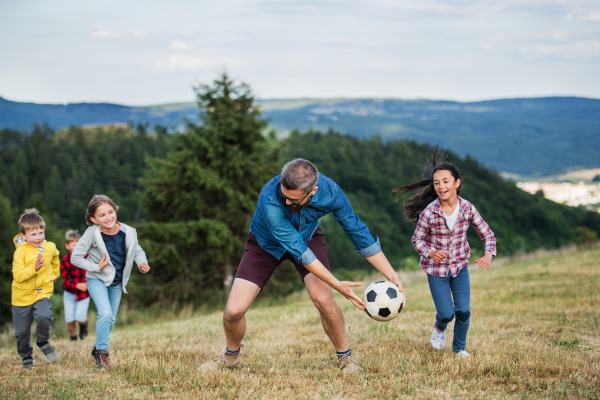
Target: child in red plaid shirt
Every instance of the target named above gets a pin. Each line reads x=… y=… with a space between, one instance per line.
x=443 y=218
x=76 y=297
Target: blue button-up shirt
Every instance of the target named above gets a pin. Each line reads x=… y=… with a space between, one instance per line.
x=277 y=230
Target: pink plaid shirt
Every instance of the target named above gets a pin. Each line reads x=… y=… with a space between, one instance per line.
x=432 y=233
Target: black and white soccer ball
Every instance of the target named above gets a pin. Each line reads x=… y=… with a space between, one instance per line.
x=383 y=300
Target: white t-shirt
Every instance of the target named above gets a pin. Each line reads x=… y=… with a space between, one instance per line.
x=451 y=219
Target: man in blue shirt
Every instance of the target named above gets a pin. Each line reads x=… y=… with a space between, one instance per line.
x=285 y=226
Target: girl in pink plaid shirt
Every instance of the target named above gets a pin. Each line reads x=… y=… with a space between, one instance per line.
x=443 y=218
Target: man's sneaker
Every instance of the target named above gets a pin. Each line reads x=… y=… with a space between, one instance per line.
x=102 y=359
x=83 y=331
x=462 y=354
x=223 y=361
x=28 y=363
x=49 y=352
x=438 y=338
x=349 y=365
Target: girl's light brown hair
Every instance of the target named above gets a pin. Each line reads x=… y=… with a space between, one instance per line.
x=96 y=202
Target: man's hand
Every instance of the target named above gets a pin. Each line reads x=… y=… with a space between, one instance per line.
x=438 y=256
x=144 y=267
x=103 y=262
x=81 y=286
x=396 y=281
x=485 y=261
x=345 y=288
x=39 y=263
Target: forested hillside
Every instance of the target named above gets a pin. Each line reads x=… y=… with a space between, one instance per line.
x=59 y=172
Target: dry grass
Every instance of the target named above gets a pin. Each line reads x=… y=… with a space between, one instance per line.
x=534 y=334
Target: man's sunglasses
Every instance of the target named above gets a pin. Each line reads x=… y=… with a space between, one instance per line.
x=294 y=202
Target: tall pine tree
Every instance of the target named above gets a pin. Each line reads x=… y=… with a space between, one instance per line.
x=201 y=198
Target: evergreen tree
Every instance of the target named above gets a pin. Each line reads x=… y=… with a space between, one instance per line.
x=200 y=200
x=7 y=248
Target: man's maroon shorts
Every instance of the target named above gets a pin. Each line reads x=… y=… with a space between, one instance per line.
x=257 y=266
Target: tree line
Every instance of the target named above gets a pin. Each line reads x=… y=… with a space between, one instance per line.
x=191 y=194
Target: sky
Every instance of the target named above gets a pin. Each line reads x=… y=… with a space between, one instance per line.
x=153 y=52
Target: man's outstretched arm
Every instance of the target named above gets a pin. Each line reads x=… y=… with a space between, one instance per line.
x=318 y=269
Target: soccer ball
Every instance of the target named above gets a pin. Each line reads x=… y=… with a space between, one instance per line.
x=383 y=300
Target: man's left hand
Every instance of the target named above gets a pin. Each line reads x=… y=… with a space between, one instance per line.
x=396 y=281
x=144 y=267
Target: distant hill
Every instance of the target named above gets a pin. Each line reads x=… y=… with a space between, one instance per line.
x=534 y=137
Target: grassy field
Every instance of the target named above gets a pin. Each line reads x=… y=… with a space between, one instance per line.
x=534 y=334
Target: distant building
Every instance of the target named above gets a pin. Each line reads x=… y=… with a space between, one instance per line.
x=570 y=194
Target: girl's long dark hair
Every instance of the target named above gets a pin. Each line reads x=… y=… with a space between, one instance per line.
x=413 y=206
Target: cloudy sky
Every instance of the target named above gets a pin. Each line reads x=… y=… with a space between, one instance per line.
x=149 y=52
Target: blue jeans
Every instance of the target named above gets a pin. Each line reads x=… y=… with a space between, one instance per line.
x=442 y=291
x=106 y=299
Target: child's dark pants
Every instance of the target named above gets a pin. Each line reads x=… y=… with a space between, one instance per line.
x=23 y=318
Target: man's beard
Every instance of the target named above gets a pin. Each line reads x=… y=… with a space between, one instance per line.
x=294 y=208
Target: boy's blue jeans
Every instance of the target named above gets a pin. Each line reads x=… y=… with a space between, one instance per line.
x=442 y=291
x=106 y=299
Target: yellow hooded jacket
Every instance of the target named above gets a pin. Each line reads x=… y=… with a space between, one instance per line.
x=28 y=284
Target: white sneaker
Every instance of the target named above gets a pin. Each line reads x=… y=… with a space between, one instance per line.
x=463 y=354
x=438 y=338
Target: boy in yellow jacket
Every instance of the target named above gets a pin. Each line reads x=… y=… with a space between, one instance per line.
x=35 y=268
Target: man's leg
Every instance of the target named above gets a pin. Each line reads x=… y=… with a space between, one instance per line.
x=242 y=295
x=331 y=314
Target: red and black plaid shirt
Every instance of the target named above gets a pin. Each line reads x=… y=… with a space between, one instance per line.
x=71 y=277
x=432 y=233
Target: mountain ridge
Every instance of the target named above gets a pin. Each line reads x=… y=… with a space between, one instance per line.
x=526 y=136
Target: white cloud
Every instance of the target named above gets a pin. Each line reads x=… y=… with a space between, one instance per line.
x=191 y=63
x=559 y=36
x=593 y=15
x=100 y=32
x=580 y=48
x=384 y=65
x=584 y=15
x=181 y=45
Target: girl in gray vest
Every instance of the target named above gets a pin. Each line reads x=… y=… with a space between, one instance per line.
x=112 y=248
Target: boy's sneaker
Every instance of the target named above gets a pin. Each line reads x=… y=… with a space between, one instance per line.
x=462 y=354
x=95 y=354
x=28 y=363
x=49 y=352
x=102 y=359
x=223 y=361
x=438 y=338
x=83 y=331
x=348 y=365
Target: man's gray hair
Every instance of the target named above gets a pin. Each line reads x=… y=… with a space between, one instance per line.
x=299 y=174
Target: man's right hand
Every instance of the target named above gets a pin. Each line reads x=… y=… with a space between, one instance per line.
x=438 y=256
x=39 y=263
x=103 y=262
x=345 y=288
x=81 y=286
